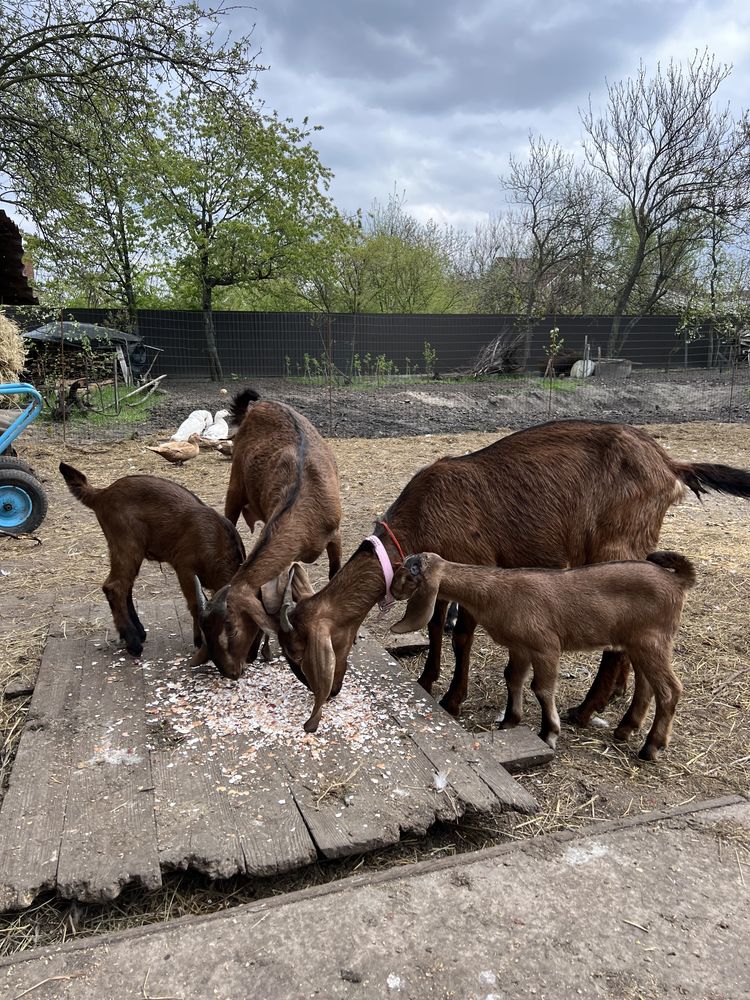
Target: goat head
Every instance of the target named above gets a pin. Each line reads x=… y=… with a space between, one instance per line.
x=414 y=582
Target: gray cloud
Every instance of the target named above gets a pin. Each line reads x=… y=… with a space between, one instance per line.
x=433 y=96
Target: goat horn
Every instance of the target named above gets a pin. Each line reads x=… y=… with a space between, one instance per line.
x=219 y=602
x=200 y=596
x=287 y=604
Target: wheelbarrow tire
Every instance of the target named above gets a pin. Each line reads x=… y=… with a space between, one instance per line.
x=11 y=462
x=23 y=502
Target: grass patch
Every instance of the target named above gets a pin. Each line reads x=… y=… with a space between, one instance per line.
x=101 y=408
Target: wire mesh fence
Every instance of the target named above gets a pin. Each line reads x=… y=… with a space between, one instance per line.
x=373 y=375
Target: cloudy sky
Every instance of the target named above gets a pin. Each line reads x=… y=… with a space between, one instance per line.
x=431 y=97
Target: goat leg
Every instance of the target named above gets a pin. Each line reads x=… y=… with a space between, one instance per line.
x=116 y=591
x=516 y=672
x=134 y=616
x=544 y=685
x=431 y=670
x=333 y=550
x=667 y=690
x=613 y=664
x=632 y=721
x=463 y=637
x=187 y=580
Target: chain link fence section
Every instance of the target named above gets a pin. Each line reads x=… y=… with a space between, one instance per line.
x=375 y=376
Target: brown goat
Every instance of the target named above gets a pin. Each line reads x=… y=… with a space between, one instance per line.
x=285 y=474
x=145 y=517
x=560 y=494
x=539 y=614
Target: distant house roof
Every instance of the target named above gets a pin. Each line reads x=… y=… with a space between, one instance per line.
x=15 y=289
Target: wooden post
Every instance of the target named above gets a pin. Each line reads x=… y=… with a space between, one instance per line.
x=117 y=391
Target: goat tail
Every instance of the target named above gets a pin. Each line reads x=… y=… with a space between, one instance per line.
x=78 y=485
x=683 y=569
x=238 y=406
x=701 y=477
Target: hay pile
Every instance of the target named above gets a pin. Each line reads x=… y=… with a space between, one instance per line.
x=12 y=350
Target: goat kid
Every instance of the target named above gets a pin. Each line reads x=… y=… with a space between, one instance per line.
x=285 y=474
x=539 y=614
x=565 y=493
x=146 y=517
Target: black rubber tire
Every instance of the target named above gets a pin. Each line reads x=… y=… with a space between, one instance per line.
x=11 y=462
x=12 y=476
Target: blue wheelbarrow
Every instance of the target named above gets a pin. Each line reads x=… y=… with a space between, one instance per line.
x=23 y=502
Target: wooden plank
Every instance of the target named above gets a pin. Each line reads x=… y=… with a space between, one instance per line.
x=273 y=832
x=33 y=810
x=354 y=802
x=109 y=837
x=20 y=685
x=221 y=806
x=452 y=751
x=76 y=619
x=407 y=644
x=518 y=749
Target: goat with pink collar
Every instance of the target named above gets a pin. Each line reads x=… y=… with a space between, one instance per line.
x=538 y=614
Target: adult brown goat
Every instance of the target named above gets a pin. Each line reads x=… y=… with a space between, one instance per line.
x=285 y=474
x=538 y=614
x=560 y=494
x=146 y=517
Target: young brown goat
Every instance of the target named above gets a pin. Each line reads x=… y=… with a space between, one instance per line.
x=285 y=474
x=560 y=494
x=539 y=614
x=145 y=517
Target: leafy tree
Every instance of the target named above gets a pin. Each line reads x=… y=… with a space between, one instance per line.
x=669 y=155
x=57 y=52
x=93 y=237
x=238 y=195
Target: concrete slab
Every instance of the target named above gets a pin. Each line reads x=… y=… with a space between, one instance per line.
x=655 y=907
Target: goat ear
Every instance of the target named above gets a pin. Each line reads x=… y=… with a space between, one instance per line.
x=272 y=593
x=261 y=617
x=319 y=665
x=199 y=657
x=301 y=586
x=419 y=609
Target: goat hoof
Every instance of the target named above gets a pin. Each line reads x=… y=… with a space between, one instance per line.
x=450 y=707
x=134 y=648
x=507 y=723
x=426 y=684
x=623 y=733
x=649 y=752
x=579 y=716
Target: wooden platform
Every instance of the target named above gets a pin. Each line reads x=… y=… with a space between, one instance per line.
x=129 y=768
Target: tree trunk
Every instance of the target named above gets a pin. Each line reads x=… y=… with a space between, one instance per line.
x=214 y=365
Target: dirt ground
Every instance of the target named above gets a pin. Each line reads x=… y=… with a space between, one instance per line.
x=592 y=777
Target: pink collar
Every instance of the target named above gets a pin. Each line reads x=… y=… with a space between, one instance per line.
x=385 y=565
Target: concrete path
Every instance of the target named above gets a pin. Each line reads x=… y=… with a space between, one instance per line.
x=648 y=909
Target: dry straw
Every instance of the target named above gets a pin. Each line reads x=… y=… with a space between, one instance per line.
x=12 y=350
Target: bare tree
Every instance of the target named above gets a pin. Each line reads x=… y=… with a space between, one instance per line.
x=670 y=156
x=559 y=218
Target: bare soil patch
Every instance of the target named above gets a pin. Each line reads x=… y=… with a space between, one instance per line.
x=592 y=778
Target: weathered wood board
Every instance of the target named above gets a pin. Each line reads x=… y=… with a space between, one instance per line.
x=129 y=768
